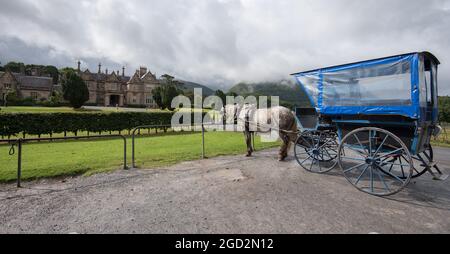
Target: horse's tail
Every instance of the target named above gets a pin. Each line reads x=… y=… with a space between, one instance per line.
x=293 y=130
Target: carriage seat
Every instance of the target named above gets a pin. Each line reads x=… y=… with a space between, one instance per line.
x=308 y=118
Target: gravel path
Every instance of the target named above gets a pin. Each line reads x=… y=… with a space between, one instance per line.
x=231 y=194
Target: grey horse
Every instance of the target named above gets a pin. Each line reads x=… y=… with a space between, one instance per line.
x=250 y=119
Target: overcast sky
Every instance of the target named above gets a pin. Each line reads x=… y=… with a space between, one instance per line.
x=222 y=42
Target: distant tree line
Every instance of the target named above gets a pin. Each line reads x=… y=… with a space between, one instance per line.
x=444 y=109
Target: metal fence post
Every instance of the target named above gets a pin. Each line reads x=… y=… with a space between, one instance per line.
x=124 y=152
x=203 y=141
x=19 y=163
x=133 y=163
x=253 y=141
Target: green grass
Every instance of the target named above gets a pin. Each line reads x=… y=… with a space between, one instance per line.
x=42 y=160
x=443 y=139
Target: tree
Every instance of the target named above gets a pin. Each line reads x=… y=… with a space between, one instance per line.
x=157 y=96
x=43 y=70
x=444 y=109
x=52 y=71
x=75 y=90
x=164 y=94
x=10 y=98
x=233 y=94
x=15 y=67
x=221 y=95
x=170 y=92
x=67 y=69
x=55 y=99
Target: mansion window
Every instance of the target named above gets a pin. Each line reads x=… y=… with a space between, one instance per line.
x=149 y=100
x=7 y=86
x=34 y=95
x=134 y=99
x=113 y=86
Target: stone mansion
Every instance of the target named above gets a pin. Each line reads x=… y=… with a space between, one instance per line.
x=117 y=89
x=105 y=88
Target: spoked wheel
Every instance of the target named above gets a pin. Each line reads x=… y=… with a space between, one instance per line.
x=316 y=151
x=375 y=161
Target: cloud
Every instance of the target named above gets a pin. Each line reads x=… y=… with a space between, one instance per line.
x=222 y=42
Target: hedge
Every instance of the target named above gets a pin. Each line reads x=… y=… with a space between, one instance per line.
x=50 y=123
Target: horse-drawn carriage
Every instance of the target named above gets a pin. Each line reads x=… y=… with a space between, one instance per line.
x=374 y=119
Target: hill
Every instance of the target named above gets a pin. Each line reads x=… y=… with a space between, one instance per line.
x=188 y=87
x=290 y=93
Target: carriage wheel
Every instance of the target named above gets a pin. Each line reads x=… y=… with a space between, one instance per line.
x=375 y=161
x=420 y=162
x=419 y=166
x=316 y=151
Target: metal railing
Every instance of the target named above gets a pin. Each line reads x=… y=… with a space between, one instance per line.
x=19 y=142
x=190 y=127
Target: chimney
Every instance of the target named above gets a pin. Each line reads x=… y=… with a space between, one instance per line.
x=142 y=71
x=106 y=71
x=99 y=68
x=35 y=72
x=123 y=71
x=79 y=66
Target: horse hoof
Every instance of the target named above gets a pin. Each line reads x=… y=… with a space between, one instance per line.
x=248 y=155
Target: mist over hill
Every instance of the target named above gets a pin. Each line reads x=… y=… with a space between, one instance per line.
x=290 y=93
x=188 y=87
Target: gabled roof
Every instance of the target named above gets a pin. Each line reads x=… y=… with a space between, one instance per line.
x=113 y=77
x=124 y=78
x=2 y=73
x=8 y=72
x=39 y=83
x=149 y=77
x=31 y=82
x=135 y=78
x=99 y=76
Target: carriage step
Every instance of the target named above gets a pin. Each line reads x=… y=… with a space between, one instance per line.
x=441 y=177
x=432 y=164
x=436 y=176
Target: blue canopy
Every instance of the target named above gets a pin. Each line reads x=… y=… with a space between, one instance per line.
x=385 y=86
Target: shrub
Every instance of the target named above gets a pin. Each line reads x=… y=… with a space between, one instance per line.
x=137 y=106
x=50 y=123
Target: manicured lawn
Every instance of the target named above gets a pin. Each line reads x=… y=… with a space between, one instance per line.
x=89 y=157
